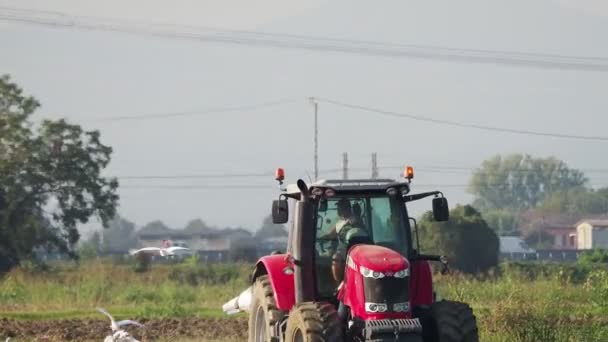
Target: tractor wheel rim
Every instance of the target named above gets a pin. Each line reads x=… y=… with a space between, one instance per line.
x=260 y=325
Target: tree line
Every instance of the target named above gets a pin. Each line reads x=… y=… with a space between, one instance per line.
x=51 y=181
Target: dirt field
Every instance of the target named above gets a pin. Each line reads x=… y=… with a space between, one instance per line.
x=199 y=329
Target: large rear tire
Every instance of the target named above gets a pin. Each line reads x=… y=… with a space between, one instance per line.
x=264 y=313
x=448 y=321
x=313 y=322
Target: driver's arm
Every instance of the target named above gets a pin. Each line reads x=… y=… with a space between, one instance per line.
x=332 y=234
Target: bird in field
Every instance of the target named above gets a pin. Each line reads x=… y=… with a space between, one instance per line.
x=169 y=251
x=119 y=335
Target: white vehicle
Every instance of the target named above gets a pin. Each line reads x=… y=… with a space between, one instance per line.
x=169 y=251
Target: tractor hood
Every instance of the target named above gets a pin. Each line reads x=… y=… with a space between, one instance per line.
x=377 y=258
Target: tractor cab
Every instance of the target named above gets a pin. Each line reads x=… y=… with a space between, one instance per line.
x=351 y=212
x=350 y=271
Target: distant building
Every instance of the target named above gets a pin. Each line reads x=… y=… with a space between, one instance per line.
x=592 y=233
x=211 y=244
x=272 y=244
x=564 y=235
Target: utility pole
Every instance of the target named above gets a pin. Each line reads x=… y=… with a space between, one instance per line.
x=344 y=165
x=316 y=106
x=374 y=165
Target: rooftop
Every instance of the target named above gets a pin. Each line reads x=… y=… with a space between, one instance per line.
x=351 y=185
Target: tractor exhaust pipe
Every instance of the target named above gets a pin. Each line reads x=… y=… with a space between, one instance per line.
x=302 y=248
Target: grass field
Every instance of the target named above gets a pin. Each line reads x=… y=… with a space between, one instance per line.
x=524 y=303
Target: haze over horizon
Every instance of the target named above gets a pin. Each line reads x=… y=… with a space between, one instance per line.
x=242 y=107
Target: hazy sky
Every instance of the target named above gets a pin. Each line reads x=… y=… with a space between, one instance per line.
x=85 y=75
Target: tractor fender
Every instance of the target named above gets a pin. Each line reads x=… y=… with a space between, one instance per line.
x=282 y=283
x=421 y=283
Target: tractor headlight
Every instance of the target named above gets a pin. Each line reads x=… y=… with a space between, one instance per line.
x=401 y=307
x=402 y=274
x=366 y=272
x=376 y=307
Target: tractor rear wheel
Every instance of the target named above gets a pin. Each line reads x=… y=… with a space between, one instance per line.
x=313 y=322
x=264 y=313
x=448 y=321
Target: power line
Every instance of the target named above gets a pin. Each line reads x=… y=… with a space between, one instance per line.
x=319 y=38
x=440 y=170
x=460 y=124
x=194 y=187
x=291 y=41
x=272 y=187
x=199 y=176
x=194 y=112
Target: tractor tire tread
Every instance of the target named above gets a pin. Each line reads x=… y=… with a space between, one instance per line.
x=452 y=322
x=318 y=322
x=263 y=294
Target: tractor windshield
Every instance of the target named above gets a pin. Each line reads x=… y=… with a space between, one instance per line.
x=380 y=220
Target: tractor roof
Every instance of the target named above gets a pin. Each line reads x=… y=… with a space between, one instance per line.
x=348 y=185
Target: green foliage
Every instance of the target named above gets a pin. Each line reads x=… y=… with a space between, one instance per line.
x=57 y=161
x=593 y=257
x=576 y=202
x=522 y=302
x=143 y=263
x=503 y=221
x=517 y=181
x=209 y=274
x=91 y=248
x=467 y=241
x=197 y=226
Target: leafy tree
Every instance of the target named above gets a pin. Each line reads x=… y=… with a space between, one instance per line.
x=270 y=229
x=466 y=240
x=155 y=227
x=119 y=236
x=197 y=226
x=91 y=248
x=50 y=179
x=517 y=181
x=503 y=221
x=577 y=202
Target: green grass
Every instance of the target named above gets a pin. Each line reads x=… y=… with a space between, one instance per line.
x=533 y=303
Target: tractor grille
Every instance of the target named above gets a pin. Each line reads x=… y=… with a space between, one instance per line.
x=387 y=290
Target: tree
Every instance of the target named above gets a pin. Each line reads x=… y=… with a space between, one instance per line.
x=197 y=226
x=517 y=181
x=503 y=221
x=269 y=229
x=119 y=236
x=90 y=248
x=50 y=179
x=577 y=202
x=466 y=240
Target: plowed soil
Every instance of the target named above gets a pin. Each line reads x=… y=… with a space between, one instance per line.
x=200 y=329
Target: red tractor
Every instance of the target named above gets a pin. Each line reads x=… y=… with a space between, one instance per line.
x=351 y=271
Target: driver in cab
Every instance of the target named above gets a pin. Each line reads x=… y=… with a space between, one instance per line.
x=346 y=230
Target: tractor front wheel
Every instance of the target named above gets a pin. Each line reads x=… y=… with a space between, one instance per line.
x=313 y=322
x=448 y=321
x=264 y=313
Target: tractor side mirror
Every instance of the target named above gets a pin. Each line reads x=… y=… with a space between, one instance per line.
x=441 y=212
x=280 y=211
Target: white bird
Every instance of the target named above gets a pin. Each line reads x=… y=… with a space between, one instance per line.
x=119 y=335
x=162 y=251
x=7 y=339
